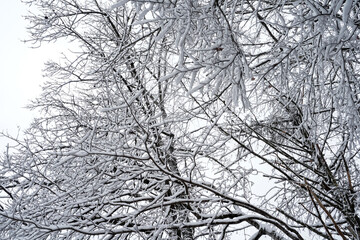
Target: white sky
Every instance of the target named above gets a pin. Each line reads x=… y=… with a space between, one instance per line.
x=20 y=69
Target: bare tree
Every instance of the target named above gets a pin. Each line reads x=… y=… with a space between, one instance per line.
x=155 y=124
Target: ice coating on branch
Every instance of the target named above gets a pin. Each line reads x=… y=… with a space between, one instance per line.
x=74 y=153
x=164 y=30
x=335 y=6
x=346 y=10
x=119 y=4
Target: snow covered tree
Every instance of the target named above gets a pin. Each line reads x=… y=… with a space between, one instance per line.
x=159 y=121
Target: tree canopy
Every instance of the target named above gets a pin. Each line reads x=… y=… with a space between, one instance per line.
x=165 y=114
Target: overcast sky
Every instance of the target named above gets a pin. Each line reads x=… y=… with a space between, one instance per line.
x=20 y=69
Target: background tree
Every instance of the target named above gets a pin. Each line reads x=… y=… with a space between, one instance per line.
x=154 y=126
